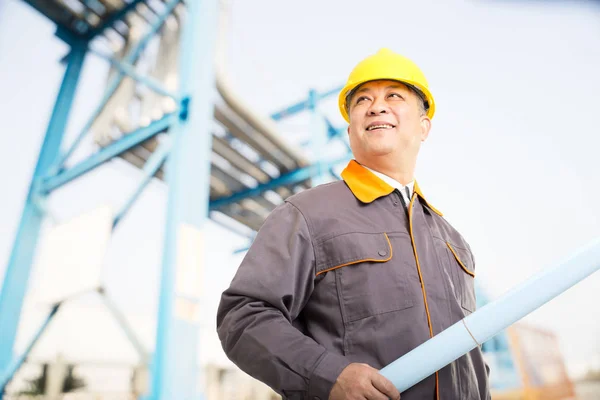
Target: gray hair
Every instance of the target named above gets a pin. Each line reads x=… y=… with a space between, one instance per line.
x=423 y=103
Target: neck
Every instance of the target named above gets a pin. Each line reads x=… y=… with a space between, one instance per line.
x=400 y=171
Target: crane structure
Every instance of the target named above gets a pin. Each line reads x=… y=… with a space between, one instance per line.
x=219 y=159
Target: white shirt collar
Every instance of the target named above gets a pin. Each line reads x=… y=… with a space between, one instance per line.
x=394 y=183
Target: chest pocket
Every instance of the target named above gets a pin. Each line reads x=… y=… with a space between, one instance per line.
x=369 y=277
x=462 y=270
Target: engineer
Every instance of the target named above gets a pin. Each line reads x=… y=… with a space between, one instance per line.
x=346 y=277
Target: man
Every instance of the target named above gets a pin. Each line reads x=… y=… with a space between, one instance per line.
x=346 y=277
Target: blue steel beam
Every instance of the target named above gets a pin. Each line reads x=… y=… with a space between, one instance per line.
x=114 y=149
x=125 y=327
x=52 y=12
x=291 y=178
x=291 y=110
x=242 y=249
x=130 y=71
x=150 y=168
x=19 y=265
x=130 y=58
x=303 y=105
x=114 y=17
x=175 y=366
x=7 y=374
x=333 y=132
x=331 y=92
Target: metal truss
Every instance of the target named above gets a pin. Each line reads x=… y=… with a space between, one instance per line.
x=223 y=160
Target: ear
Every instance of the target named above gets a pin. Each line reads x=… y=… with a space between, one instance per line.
x=425 y=127
x=348 y=130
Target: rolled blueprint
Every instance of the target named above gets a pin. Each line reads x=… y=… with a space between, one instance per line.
x=492 y=318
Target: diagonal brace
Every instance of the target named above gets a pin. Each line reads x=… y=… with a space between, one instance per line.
x=151 y=166
x=114 y=149
x=303 y=105
x=130 y=58
x=291 y=178
x=7 y=375
x=130 y=71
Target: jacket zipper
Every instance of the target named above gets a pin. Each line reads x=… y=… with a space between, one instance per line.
x=412 y=239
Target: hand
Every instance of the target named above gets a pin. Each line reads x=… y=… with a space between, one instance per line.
x=360 y=381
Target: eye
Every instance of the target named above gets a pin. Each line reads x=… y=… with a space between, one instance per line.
x=396 y=95
x=361 y=99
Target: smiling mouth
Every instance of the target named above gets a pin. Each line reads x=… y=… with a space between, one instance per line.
x=379 y=127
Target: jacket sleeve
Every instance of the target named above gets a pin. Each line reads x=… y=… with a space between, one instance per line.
x=256 y=313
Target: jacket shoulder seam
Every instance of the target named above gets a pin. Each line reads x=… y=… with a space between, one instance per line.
x=310 y=233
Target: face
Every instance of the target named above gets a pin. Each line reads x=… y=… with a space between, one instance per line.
x=386 y=119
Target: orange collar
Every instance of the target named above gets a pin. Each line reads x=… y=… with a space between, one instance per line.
x=367 y=187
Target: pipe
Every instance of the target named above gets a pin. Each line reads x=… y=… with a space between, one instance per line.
x=240 y=129
x=491 y=319
x=264 y=125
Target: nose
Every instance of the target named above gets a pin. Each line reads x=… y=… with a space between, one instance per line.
x=378 y=106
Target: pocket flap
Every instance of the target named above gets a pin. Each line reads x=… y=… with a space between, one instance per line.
x=463 y=259
x=352 y=248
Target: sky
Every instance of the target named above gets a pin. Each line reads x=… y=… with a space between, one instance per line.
x=511 y=159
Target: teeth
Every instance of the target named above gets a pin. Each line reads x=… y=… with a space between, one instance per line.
x=379 y=126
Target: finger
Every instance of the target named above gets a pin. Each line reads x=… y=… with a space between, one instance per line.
x=374 y=394
x=383 y=385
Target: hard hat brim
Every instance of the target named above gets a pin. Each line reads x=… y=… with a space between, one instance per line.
x=352 y=85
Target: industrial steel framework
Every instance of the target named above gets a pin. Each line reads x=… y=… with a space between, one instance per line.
x=222 y=160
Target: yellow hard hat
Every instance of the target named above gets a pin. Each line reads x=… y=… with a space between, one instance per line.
x=386 y=65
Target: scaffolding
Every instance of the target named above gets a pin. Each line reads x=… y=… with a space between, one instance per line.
x=219 y=159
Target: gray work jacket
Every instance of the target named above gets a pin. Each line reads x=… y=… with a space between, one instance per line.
x=342 y=273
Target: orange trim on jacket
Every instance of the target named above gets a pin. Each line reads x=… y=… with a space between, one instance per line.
x=363 y=260
x=459 y=261
x=367 y=187
x=414 y=245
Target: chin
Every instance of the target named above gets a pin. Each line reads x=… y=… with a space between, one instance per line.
x=379 y=151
